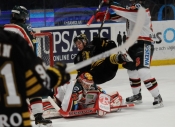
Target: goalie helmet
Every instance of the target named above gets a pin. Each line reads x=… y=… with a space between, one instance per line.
x=86 y=80
x=19 y=13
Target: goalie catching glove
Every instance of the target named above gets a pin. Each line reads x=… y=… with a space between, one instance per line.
x=59 y=73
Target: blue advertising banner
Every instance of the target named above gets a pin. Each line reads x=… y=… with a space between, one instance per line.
x=74 y=15
x=63 y=46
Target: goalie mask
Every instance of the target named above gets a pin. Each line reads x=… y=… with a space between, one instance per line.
x=86 y=80
x=19 y=13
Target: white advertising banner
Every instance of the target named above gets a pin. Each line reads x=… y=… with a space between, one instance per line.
x=163 y=36
x=164 y=40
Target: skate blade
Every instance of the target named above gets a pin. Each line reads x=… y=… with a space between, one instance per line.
x=44 y=125
x=158 y=105
x=135 y=102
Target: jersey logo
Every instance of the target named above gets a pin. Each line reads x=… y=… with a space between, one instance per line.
x=75 y=89
x=104 y=100
x=147 y=53
x=29 y=28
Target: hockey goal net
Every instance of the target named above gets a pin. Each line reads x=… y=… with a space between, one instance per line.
x=44 y=47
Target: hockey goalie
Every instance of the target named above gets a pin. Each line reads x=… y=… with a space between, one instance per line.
x=81 y=97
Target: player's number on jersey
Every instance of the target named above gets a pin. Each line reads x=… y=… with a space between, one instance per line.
x=6 y=73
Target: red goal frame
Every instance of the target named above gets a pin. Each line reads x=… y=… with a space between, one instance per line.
x=50 y=35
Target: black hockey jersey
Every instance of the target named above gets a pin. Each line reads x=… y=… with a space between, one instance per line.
x=22 y=75
x=85 y=54
x=102 y=70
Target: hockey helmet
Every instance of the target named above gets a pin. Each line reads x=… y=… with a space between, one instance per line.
x=86 y=80
x=19 y=12
x=81 y=37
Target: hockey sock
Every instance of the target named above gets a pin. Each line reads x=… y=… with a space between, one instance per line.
x=135 y=85
x=152 y=86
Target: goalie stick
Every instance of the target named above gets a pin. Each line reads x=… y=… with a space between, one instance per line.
x=123 y=106
x=135 y=33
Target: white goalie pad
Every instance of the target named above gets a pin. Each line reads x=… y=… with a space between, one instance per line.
x=48 y=110
x=116 y=100
x=51 y=113
x=104 y=102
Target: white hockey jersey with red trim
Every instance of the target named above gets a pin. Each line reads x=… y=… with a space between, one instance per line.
x=130 y=17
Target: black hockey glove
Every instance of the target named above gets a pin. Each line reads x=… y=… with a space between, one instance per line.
x=122 y=58
x=99 y=43
x=58 y=75
x=63 y=75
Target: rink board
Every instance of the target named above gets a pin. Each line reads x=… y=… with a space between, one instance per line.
x=163 y=37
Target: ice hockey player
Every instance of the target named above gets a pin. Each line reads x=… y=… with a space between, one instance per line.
x=19 y=15
x=102 y=70
x=23 y=75
x=75 y=94
x=141 y=52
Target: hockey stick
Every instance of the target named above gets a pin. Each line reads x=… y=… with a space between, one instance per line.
x=103 y=22
x=92 y=18
x=53 y=103
x=135 y=33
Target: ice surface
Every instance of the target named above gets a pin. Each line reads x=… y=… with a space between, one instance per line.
x=142 y=115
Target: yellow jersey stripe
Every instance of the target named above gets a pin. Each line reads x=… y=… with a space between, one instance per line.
x=31 y=82
x=113 y=59
x=27 y=123
x=34 y=89
x=26 y=115
x=28 y=73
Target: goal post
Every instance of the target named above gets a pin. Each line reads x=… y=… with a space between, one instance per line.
x=44 y=47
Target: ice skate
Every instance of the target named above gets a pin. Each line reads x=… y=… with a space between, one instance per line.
x=135 y=99
x=158 y=102
x=41 y=122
